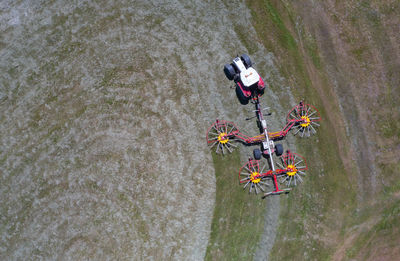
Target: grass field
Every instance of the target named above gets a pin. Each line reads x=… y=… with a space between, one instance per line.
x=236 y=227
x=104 y=108
x=341 y=196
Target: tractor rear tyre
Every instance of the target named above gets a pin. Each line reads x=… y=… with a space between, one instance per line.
x=257 y=154
x=246 y=60
x=278 y=150
x=242 y=99
x=229 y=71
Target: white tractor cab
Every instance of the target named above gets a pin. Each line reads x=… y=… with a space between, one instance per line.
x=248 y=82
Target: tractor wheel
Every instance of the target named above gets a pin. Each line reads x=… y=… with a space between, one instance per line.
x=246 y=60
x=242 y=99
x=229 y=71
x=278 y=150
x=257 y=154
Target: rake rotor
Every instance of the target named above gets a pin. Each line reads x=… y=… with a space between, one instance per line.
x=251 y=176
x=306 y=117
x=220 y=136
x=295 y=165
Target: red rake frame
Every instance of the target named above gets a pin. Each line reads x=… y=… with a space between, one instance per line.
x=304 y=117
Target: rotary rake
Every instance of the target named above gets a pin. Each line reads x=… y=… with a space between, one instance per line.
x=303 y=120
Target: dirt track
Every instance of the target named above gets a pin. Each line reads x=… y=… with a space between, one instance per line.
x=104 y=108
